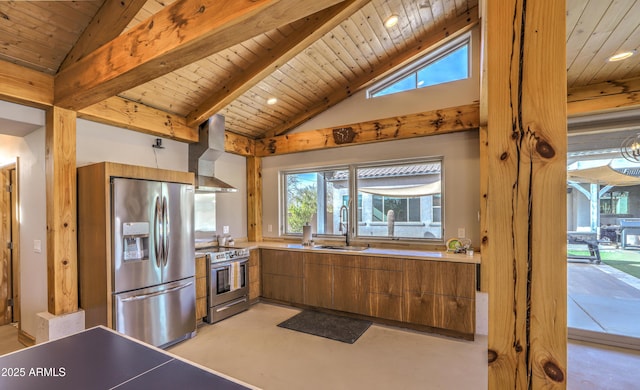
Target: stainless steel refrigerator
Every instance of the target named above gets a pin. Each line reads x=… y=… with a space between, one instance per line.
x=153 y=275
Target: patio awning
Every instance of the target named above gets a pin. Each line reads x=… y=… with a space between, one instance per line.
x=404 y=192
x=604 y=175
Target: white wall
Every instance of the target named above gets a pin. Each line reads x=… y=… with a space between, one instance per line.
x=231 y=207
x=33 y=224
x=96 y=142
x=29 y=149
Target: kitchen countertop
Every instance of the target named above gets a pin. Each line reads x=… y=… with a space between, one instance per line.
x=416 y=254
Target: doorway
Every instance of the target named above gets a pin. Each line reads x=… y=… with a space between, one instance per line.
x=9 y=246
x=603 y=240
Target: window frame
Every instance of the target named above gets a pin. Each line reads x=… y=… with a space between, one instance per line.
x=354 y=205
x=419 y=160
x=284 y=215
x=426 y=60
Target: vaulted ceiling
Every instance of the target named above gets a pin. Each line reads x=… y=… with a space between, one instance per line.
x=192 y=59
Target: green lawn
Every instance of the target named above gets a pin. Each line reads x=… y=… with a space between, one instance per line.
x=627 y=261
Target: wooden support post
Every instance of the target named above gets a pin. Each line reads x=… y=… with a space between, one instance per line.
x=60 y=165
x=524 y=227
x=254 y=198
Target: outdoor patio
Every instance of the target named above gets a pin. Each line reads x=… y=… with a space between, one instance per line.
x=601 y=297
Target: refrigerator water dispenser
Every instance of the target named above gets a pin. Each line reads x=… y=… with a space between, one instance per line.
x=136 y=241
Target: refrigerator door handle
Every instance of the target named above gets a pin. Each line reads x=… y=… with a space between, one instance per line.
x=157 y=232
x=155 y=294
x=165 y=229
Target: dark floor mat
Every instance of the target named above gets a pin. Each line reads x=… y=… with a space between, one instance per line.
x=326 y=325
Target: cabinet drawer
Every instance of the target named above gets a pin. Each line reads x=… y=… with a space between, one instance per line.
x=281 y=263
x=383 y=306
x=381 y=281
x=439 y=277
x=318 y=284
x=440 y=311
x=282 y=288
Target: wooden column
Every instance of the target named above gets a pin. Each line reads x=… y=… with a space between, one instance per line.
x=524 y=227
x=254 y=198
x=60 y=166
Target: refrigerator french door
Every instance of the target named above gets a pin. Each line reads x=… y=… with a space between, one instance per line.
x=153 y=274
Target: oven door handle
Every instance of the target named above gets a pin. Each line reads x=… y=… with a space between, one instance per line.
x=227 y=264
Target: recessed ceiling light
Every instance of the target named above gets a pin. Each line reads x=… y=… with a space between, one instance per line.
x=391 y=21
x=271 y=101
x=621 y=56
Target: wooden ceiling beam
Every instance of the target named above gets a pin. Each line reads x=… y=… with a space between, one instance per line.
x=604 y=97
x=112 y=18
x=239 y=144
x=131 y=115
x=314 y=28
x=181 y=33
x=25 y=86
x=442 y=121
x=127 y=114
x=457 y=27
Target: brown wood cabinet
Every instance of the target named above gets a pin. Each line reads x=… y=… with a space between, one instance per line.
x=440 y=294
x=318 y=279
x=201 y=287
x=282 y=275
x=435 y=294
x=255 y=289
x=368 y=285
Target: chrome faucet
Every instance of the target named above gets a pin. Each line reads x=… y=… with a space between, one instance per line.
x=344 y=223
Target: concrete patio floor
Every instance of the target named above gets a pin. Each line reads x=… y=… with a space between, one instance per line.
x=603 y=304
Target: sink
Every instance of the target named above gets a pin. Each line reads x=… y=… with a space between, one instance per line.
x=343 y=247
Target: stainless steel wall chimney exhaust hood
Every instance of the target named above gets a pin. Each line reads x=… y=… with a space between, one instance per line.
x=204 y=153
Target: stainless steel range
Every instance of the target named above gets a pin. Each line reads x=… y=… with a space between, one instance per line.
x=227 y=282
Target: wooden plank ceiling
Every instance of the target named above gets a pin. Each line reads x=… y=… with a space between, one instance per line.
x=308 y=65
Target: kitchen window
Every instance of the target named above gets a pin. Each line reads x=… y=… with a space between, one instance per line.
x=393 y=200
x=400 y=200
x=314 y=197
